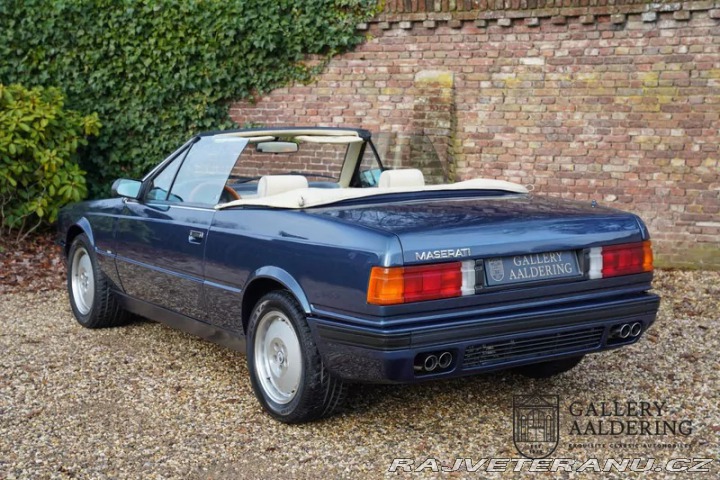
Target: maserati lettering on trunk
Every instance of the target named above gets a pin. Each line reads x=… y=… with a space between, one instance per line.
x=440 y=254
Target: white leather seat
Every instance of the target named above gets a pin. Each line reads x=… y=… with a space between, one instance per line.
x=407 y=177
x=275 y=184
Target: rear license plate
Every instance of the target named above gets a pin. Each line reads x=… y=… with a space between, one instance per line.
x=531 y=267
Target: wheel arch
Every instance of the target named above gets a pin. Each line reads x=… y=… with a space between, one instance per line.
x=78 y=228
x=265 y=280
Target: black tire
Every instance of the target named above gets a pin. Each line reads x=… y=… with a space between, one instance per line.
x=549 y=369
x=318 y=393
x=103 y=310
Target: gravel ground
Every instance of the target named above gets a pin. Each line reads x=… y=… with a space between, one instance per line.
x=145 y=401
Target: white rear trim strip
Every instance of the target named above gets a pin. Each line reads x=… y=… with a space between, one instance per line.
x=596 y=263
x=468 y=277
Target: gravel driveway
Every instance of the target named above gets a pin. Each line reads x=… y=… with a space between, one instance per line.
x=144 y=401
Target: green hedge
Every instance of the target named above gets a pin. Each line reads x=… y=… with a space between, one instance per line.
x=39 y=172
x=158 y=71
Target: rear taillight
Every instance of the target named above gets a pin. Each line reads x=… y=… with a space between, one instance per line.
x=432 y=282
x=624 y=259
x=393 y=285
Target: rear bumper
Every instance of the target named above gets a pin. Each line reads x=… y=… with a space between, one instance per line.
x=480 y=343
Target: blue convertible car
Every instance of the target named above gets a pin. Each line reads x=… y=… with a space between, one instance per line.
x=298 y=247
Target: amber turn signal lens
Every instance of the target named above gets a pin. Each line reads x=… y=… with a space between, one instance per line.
x=648 y=256
x=387 y=286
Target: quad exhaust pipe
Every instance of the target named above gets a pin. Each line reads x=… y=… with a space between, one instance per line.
x=431 y=363
x=434 y=362
x=445 y=360
x=626 y=330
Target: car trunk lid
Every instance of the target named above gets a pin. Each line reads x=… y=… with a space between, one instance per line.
x=435 y=230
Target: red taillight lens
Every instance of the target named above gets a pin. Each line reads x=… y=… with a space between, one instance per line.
x=432 y=282
x=393 y=285
x=627 y=259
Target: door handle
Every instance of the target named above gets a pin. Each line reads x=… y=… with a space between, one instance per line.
x=195 y=236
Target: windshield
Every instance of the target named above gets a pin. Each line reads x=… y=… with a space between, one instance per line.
x=316 y=161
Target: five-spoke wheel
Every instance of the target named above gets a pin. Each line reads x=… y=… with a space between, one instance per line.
x=278 y=357
x=82 y=280
x=286 y=370
x=91 y=296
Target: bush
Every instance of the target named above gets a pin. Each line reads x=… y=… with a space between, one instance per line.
x=159 y=71
x=39 y=172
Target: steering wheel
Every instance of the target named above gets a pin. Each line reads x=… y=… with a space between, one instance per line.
x=229 y=194
x=200 y=192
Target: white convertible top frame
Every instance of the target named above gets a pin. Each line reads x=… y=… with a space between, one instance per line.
x=290 y=132
x=344 y=139
x=316 y=197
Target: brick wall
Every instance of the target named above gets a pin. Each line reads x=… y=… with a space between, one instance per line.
x=618 y=103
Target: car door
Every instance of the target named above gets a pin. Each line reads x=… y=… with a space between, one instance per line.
x=160 y=239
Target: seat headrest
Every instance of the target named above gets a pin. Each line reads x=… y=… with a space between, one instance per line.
x=275 y=184
x=407 y=177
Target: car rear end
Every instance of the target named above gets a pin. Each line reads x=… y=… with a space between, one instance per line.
x=491 y=283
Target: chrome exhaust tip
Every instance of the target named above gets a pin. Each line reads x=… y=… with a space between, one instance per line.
x=636 y=329
x=445 y=360
x=431 y=363
x=625 y=331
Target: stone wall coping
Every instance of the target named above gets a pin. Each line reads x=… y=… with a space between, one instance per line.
x=571 y=11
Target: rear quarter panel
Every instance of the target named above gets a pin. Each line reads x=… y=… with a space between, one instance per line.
x=330 y=261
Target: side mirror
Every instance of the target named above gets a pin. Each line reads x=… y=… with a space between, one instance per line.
x=122 y=187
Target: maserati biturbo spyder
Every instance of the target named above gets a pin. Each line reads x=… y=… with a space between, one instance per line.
x=298 y=247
